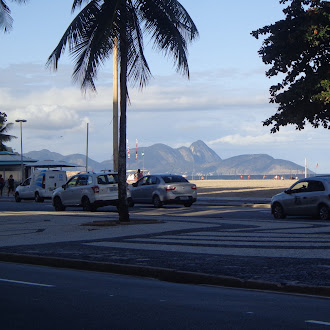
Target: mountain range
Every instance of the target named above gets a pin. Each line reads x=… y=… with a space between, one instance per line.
x=197 y=160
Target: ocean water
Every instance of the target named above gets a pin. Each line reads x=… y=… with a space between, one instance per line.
x=245 y=177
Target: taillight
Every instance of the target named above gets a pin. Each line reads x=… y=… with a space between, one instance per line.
x=96 y=189
x=169 y=188
x=194 y=187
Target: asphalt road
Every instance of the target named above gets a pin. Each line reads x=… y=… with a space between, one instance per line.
x=34 y=297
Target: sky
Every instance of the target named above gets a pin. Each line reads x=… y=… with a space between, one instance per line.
x=223 y=103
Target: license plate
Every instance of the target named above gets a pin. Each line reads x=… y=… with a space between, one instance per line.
x=184 y=198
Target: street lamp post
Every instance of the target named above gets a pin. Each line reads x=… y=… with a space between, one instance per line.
x=20 y=121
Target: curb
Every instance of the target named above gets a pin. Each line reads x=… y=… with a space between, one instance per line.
x=165 y=274
x=236 y=204
x=234 y=201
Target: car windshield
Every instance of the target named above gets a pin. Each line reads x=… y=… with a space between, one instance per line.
x=173 y=178
x=26 y=182
x=72 y=182
x=300 y=187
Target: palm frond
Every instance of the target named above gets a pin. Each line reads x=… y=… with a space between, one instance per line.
x=6 y=21
x=6 y=137
x=138 y=68
x=78 y=3
x=95 y=45
x=74 y=34
x=6 y=128
x=171 y=27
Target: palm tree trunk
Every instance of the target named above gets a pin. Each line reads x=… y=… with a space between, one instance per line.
x=122 y=193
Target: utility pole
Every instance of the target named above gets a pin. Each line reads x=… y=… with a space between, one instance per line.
x=115 y=134
x=20 y=121
x=87 y=149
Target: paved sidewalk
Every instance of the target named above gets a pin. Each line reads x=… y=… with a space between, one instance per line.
x=271 y=255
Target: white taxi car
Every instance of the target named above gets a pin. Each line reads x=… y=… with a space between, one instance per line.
x=306 y=197
x=89 y=190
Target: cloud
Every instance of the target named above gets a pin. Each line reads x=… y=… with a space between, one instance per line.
x=240 y=140
x=37 y=86
x=46 y=118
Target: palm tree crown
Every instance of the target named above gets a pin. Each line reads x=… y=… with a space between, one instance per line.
x=3 y=129
x=92 y=33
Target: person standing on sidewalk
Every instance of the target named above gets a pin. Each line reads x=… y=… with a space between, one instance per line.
x=139 y=174
x=2 y=184
x=11 y=184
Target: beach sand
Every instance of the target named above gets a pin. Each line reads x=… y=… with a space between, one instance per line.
x=241 y=188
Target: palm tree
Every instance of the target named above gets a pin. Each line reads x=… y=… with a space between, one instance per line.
x=3 y=129
x=92 y=34
x=6 y=20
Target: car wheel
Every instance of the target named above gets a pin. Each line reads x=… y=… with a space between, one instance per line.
x=17 y=198
x=187 y=204
x=278 y=211
x=37 y=198
x=58 y=204
x=157 y=202
x=87 y=205
x=324 y=213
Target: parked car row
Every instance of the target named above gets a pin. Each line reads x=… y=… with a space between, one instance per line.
x=92 y=190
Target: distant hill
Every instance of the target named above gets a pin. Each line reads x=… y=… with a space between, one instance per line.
x=78 y=159
x=257 y=164
x=198 y=159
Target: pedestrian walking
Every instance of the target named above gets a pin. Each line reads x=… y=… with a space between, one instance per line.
x=11 y=184
x=2 y=184
x=139 y=174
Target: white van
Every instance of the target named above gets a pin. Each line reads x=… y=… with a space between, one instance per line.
x=40 y=185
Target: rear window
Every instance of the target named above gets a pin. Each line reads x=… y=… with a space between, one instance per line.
x=107 y=179
x=173 y=178
x=315 y=186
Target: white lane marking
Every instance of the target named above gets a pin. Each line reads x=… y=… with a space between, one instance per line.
x=318 y=322
x=26 y=283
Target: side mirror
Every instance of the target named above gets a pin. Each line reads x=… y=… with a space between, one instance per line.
x=134 y=184
x=288 y=191
x=64 y=186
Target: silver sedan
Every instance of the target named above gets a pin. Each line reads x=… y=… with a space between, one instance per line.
x=163 y=189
